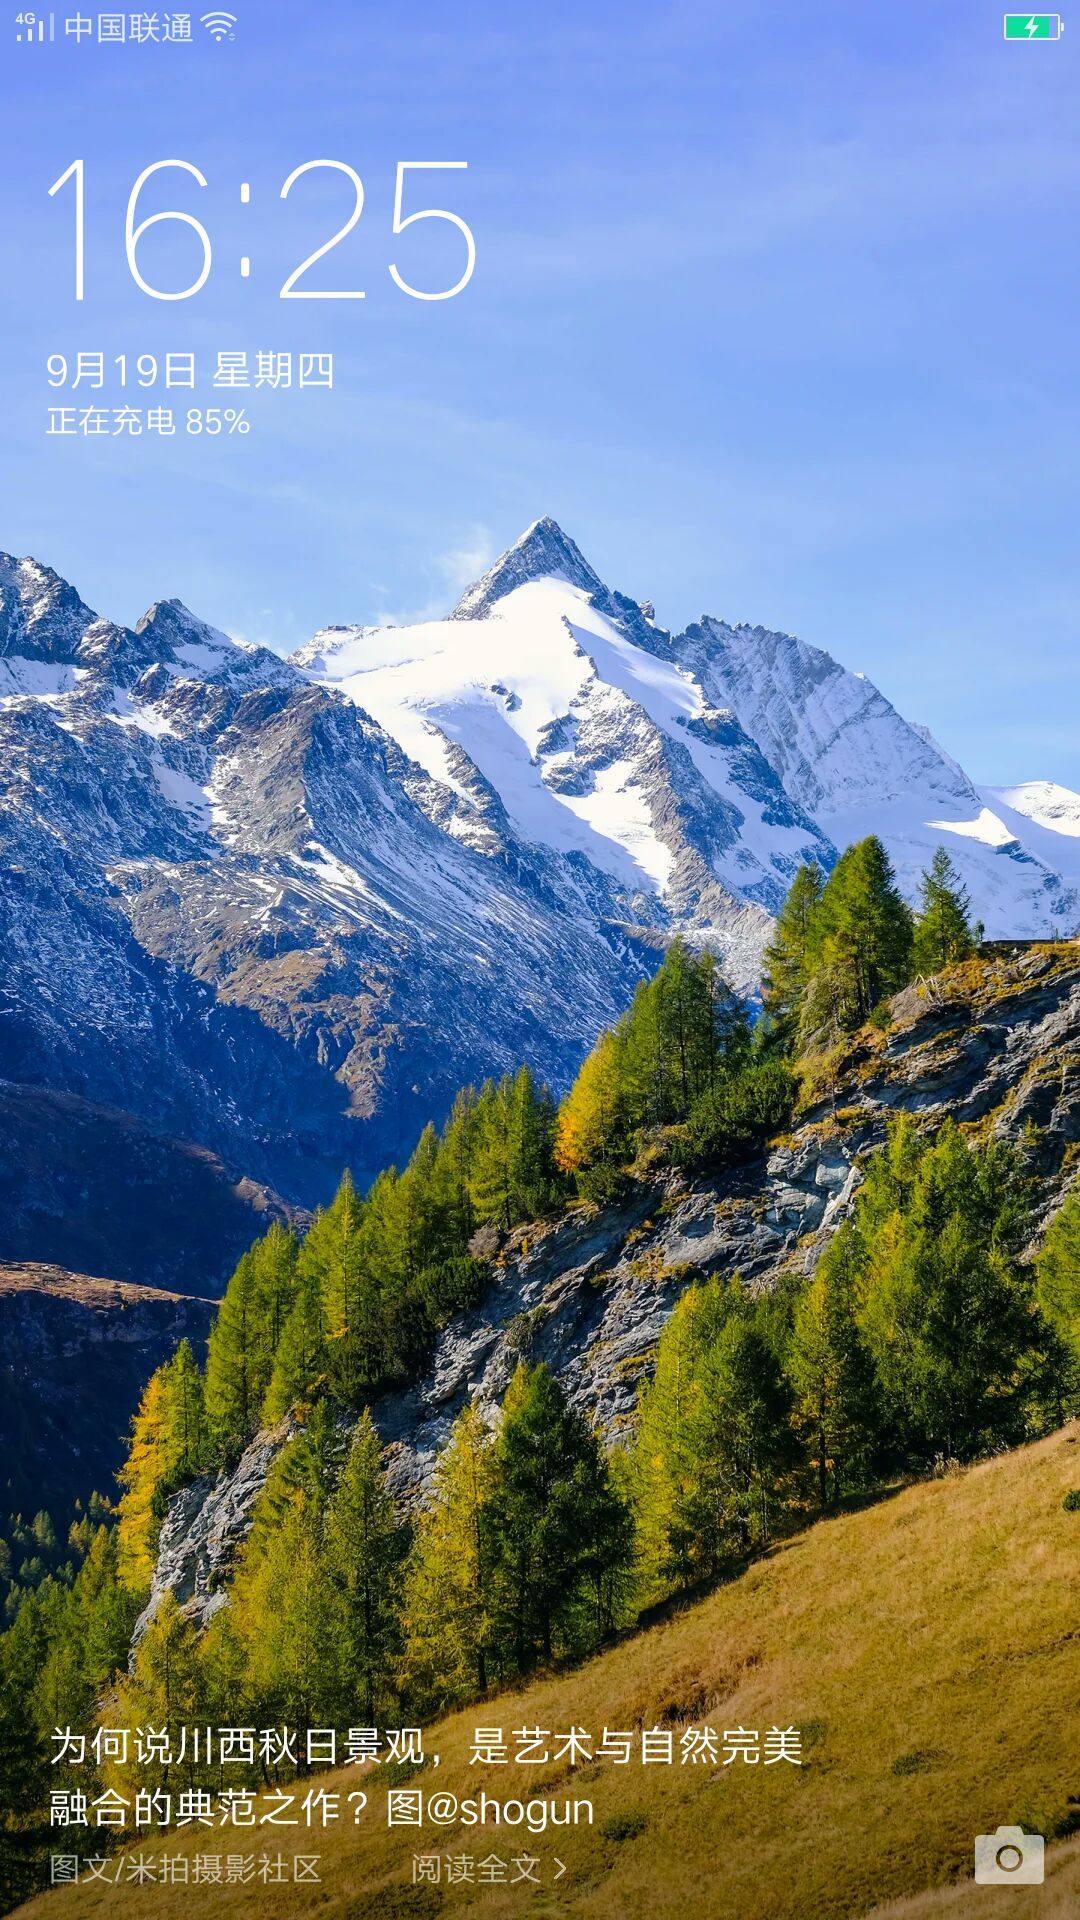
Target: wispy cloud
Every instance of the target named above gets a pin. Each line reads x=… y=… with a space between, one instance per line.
x=447 y=575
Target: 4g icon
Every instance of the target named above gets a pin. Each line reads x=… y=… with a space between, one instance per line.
x=31 y=27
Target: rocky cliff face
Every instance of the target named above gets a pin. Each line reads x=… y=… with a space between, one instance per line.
x=75 y=1354
x=995 y=1045
x=85 y=1186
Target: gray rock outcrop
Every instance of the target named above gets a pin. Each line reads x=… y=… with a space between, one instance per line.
x=996 y=1047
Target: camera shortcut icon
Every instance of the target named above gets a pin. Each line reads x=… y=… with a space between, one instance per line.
x=1009 y=1858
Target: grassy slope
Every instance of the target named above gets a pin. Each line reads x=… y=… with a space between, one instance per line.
x=941 y=1623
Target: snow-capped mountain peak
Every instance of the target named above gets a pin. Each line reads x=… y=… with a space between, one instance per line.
x=857 y=766
x=173 y=638
x=41 y=617
x=563 y=699
x=543 y=552
x=698 y=766
x=170 y=628
x=831 y=734
x=270 y=904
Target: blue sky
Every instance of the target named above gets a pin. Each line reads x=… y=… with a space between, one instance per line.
x=775 y=309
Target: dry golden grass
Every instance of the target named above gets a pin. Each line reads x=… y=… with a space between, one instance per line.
x=928 y=1645
x=1057 y=1899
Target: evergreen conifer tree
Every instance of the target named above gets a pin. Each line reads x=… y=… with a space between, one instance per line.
x=275 y=1258
x=452 y=1171
x=947 y=1313
x=187 y=1438
x=836 y=1409
x=661 y=1461
x=146 y=1466
x=448 y=1596
x=331 y=1254
x=942 y=931
x=21 y=1761
x=103 y=1612
x=553 y=1521
x=491 y=1179
x=789 y=957
x=235 y=1365
x=300 y=1361
x=1059 y=1274
x=309 y=1470
x=860 y=945
x=421 y=1229
x=739 y=1445
x=364 y=1550
x=531 y=1118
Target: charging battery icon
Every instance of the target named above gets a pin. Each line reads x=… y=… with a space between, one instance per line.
x=1033 y=26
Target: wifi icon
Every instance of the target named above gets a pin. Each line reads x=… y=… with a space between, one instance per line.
x=219 y=25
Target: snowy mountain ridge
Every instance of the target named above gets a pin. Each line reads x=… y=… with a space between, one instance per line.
x=723 y=753
x=280 y=910
x=230 y=907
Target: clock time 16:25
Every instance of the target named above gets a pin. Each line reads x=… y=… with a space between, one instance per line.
x=297 y=285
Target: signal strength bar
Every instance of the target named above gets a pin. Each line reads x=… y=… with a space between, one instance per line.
x=32 y=29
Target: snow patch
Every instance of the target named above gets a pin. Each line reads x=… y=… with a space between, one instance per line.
x=202 y=657
x=1045 y=803
x=127 y=713
x=22 y=679
x=184 y=794
x=987 y=827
